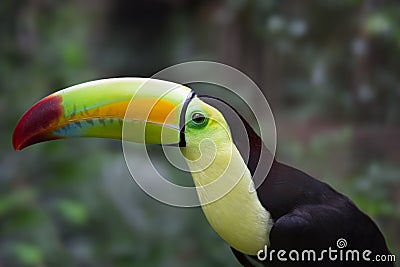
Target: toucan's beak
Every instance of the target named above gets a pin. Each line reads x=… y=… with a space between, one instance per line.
x=148 y=110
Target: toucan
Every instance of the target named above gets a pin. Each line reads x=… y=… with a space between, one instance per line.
x=289 y=213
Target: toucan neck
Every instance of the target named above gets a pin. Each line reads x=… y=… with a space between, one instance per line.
x=238 y=216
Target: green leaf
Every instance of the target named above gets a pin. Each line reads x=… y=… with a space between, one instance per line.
x=28 y=254
x=73 y=211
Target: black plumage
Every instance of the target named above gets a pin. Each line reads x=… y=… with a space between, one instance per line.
x=307 y=213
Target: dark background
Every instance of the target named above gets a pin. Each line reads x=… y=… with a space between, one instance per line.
x=330 y=70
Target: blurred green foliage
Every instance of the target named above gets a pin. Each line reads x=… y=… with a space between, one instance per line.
x=328 y=68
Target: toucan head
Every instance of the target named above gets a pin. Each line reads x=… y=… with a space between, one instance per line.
x=150 y=111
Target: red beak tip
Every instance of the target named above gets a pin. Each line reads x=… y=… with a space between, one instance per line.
x=17 y=140
x=17 y=147
x=33 y=125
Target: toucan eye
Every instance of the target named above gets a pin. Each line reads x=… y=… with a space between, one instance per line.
x=199 y=120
